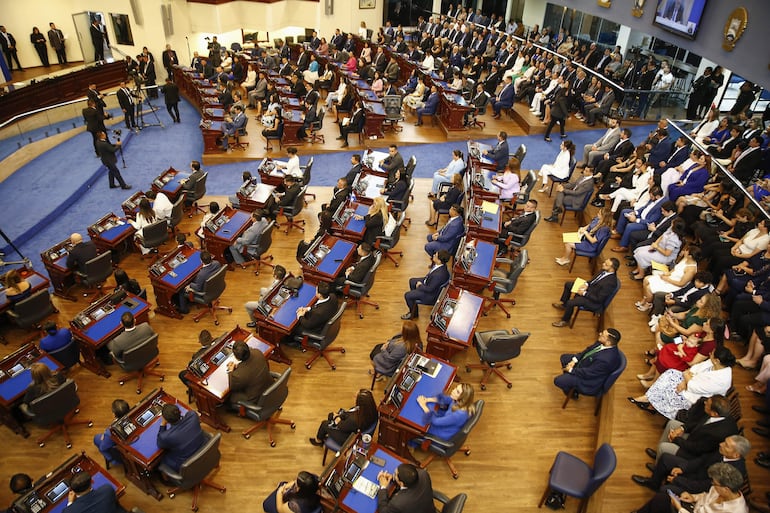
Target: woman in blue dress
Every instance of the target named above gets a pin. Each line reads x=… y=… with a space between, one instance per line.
x=451 y=413
x=591 y=236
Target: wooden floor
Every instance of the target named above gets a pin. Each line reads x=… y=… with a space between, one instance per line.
x=512 y=446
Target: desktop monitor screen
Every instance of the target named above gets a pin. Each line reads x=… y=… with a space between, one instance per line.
x=681 y=17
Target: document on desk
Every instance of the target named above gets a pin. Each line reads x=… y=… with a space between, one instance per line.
x=365 y=486
x=218 y=383
x=489 y=207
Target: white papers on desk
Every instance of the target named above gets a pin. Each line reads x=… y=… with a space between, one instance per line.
x=365 y=486
x=218 y=382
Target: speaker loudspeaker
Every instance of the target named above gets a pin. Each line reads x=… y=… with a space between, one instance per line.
x=168 y=20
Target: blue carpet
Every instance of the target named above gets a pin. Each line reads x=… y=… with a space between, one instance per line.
x=70 y=190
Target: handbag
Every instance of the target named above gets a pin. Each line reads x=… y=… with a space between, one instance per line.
x=666 y=328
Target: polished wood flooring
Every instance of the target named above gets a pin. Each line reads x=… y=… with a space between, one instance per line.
x=512 y=446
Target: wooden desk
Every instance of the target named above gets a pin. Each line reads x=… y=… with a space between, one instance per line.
x=100 y=322
x=36 y=281
x=55 y=263
x=220 y=232
x=371 y=162
x=276 y=317
x=345 y=226
x=367 y=186
x=354 y=453
x=130 y=207
x=477 y=181
x=212 y=386
x=483 y=225
x=139 y=451
x=452 y=110
x=476 y=158
x=474 y=273
x=169 y=182
x=254 y=196
x=50 y=491
x=292 y=122
x=400 y=424
x=110 y=233
x=211 y=131
x=266 y=167
x=14 y=380
x=375 y=116
x=172 y=274
x=453 y=322
x=327 y=258
x=216 y=114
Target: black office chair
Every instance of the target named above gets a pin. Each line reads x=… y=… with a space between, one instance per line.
x=29 y=313
x=268 y=408
x=505 y=284
x=520 y=153
x=56 y=409
x=274 y=137
x=454 y=505
x=209 y=296
x=514 y=242
x=68 y=355
x=241 y=132
x=496 y=347
x=306 y=177
x=319 y=342
x=191 y=200
x=98 y=269
x=393 y=114
x=555 y=180
x=316 y=127
x=572 y=476
x=140 y=361
x=177 y=214
x=291 y=212
x=195 y=470
x=386 y=243
x=400 y=206
x=608 y=382
x=254 y=252
x=445 y=449
x=357 y=292
x=411 y=164
x=154 y=236
x=525 y=189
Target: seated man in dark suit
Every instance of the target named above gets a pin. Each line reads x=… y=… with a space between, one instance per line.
x=248 y=376
x=517 y=226
x=83 y=499
x=591 y=295
x=340 y=195
x=449 y=235
x=355 y=169
x=189 y=183
x=291 y=189
x=680 y=474
x=426 y=290
x=210 y=267
x=414 y=495
x=103 y=441
x=80 y=253
x=205 y=340
x=357 y=272
x=586 y=372
x=313 y=318
x=131 y=337
x=571 y=194
x=430 y=107
x=232 y=125
x=354 y=126
x=179 y=436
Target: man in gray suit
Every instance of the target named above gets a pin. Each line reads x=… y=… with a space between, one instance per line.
x=595 y=152
x=572 y=193
x=131 y=337
x=603 y=107
x=249 y=237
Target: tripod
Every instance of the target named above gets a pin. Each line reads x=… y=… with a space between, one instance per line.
x=24 y=260
x=141 y=94
x=122 y=158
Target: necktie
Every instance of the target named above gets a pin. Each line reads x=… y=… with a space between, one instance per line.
x=591 y=353
x=598 y=278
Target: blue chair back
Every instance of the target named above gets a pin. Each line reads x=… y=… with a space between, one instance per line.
x=603 y=236
x=583 y=204
x=605 y=462
x=612 y=378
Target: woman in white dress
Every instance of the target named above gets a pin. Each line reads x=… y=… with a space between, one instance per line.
x=681 y=274
x=414 y=100
x=640 y=182
x=561 y=167
x=428 y=63
x=272 y=108
x=145 y=217
x=675 y=390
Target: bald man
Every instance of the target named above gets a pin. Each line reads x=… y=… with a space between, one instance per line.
x=80 y=253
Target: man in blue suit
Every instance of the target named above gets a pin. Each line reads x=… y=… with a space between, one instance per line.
x=500 y=152
x=430 y=107
x=586 y=372
x=179 y=436
x=633 y=219
x=426 y=290
x=504 y=99
x=210 y=267
x=448 y=237
x=231 y=127
x=660 y=148
x=83 y=499
x=679 y=154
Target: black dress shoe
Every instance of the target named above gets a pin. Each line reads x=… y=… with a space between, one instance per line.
x=251 y=324
x=126 y=187
x=315 y=442
x=641 y=480
x=760 y=408
x=652 y=453
x=766 y=424
x=762 y=463
x=114 y=186
x=650 y=466
x=551 y=219
x=762 y=431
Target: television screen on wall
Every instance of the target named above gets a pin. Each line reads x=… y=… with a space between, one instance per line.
x=682 y=17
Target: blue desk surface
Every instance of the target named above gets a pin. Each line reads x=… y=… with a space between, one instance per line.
x=216 y=126
x=98 y=330
x=174 y=184
x=357 y=501
x=485 y=259
x=357 y=225
x=234 y=225
x=12 y=388
x=35 y=280
x=286 y=315
x=491 y=221
x=335 y=258
x=466 y=312
x=98 y=481
x=115 y=232
x=429 y=387
x=147 y=443
x=183 y=271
